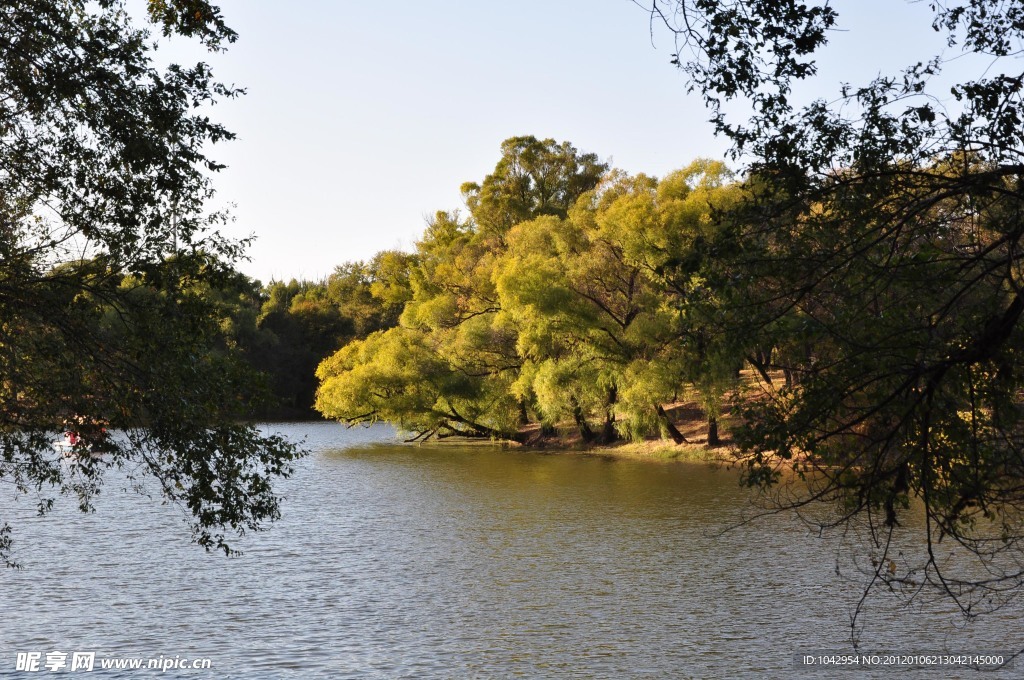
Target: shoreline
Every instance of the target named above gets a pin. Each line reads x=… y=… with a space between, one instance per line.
x=566 y=440
x=655 y=450
x=686 y=417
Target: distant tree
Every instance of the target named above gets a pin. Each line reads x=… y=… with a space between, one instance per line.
x=105 y=246
x=303 y=322
x=880 y=247
x=372 y=294
x=298 y=325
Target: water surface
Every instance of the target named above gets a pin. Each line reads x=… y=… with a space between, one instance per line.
x=405 y=561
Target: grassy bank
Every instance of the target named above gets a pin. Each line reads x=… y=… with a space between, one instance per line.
x=662 y=450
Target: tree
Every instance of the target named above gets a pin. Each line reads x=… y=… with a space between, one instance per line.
x=599 y=313
x=372 y=294
x=573 y=303
x=452 y=322
x=445 y=370
x=298 y=326
x=533 y=178
x=301 y=323
x=105 y=251
x=611 y=320
x=880 y=241
x=668 y=233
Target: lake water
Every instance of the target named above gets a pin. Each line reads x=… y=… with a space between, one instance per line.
x=395 y=561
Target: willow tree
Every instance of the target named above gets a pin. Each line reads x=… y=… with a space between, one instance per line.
x=580 y=313
x=452 y=315
x=533 y=177
x=606 y=331
x=668 y=233
x=104 y=238
x=884 y=223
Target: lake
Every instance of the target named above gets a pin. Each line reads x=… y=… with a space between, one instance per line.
x=401 y=561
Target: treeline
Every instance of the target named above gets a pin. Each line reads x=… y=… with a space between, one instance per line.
x=569 y=293
x=284 y=330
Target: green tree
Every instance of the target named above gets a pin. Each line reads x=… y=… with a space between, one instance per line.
x=104 y=243
x=597 y=314
x=589 y=320
x=456 y=350
x=397 y=376
x=372 y=294
x=533 y=178
x=452 y=307
x=298 y=325
x=569 y=323
x=882 y=228
x=671 y=234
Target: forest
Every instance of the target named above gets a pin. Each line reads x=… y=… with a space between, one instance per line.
x=568 y=294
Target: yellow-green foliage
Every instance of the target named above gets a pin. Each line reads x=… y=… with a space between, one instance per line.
x=391 y=375
x=587 y=310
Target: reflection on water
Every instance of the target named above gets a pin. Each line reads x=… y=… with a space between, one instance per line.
x=405 y=561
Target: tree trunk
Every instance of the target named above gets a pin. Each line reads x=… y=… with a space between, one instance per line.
x=713 y=439
x=673 y=432
x=585 y=432
x=608 y=433
x=761 y=366
x=478 y=430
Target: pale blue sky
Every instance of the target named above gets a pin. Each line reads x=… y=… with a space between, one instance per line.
x=363 y=118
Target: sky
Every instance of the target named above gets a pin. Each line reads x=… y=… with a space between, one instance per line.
x=362 y=119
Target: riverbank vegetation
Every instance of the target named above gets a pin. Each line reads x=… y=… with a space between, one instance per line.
x=569 y=292
x=863 y=322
